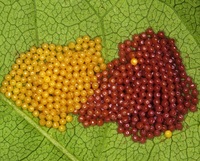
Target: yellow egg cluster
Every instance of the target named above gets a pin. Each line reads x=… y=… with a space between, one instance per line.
x=53 y=80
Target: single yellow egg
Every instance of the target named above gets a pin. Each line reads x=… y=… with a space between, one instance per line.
x=134 y=61
x=168 y=134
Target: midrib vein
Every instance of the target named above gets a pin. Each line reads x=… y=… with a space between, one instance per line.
x=36 y=126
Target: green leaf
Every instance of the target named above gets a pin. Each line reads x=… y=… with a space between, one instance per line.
x=29 y=22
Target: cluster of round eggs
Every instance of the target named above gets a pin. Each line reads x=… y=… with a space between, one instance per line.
x=146 y=90
x=52 y=81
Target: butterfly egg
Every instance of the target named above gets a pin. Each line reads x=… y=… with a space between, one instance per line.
x=53 y=81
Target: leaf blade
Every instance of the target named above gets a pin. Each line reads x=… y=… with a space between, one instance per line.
x=114 y=21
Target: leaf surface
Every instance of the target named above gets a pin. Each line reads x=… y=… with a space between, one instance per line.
x=29 y=22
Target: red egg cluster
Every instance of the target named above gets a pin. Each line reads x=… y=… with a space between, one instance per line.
x=147 y=98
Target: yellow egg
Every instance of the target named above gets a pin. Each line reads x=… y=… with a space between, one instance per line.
x=168 y=134
x=134 y=61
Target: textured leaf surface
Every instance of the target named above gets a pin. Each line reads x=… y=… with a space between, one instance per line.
x=30 y=22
